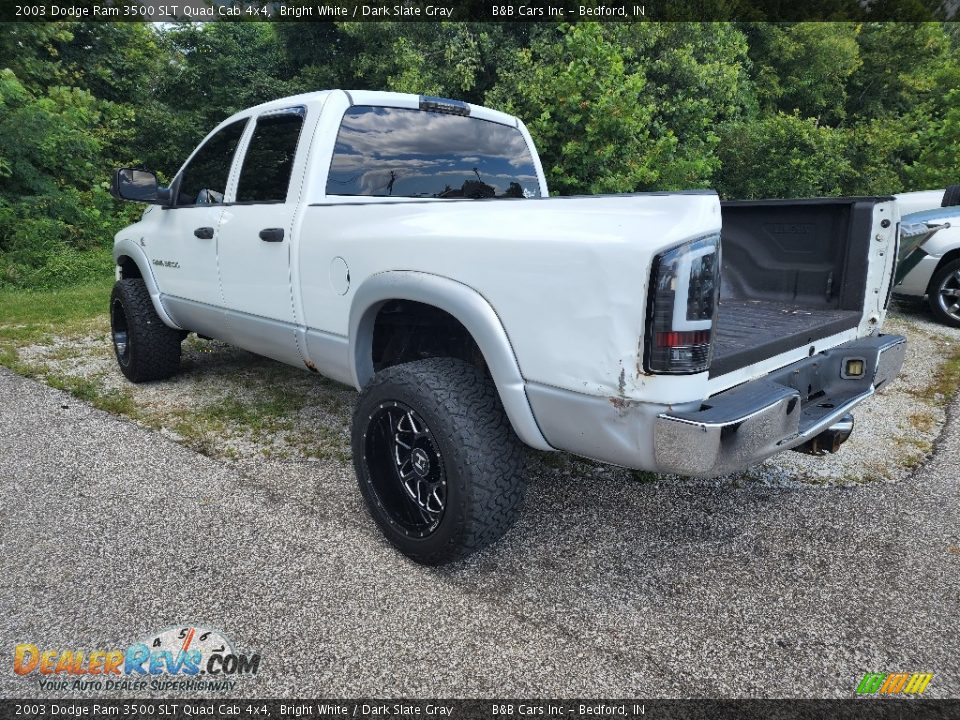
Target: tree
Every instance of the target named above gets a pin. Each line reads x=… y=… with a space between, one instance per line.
x=585 y=105
x=937 y=164
x=695 y=82
x=753 y=109
x=31 y=51
x=783 y=156
x=54 y=207
x=903 y=67
x=206 y=72
x=459 y=60
x=804 y=67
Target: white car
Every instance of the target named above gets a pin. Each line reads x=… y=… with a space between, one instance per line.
x=929 y=255
x=408 y=246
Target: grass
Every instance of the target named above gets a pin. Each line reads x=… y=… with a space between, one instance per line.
x=275 y=402
x=118 y=402
x=271 y=414
x=55 y=307
x=261 y=410
x=643 y=476
x=30 y=316
x=922 y=421
x=917 y=449
x=946 y=381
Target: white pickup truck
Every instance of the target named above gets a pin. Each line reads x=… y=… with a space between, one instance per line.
x=406 y=245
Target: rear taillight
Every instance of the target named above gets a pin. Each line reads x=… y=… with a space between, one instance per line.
x=683 y=299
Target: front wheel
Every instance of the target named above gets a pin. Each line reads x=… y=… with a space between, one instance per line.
x=944 y=294
x=437 y=461
x=146 y=349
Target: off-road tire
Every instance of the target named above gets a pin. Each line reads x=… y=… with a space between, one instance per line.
x=481 y=456
x=951 y=196
x=941 y=276
x=152 y=350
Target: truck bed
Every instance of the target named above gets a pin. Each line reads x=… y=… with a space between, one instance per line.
x=793 y=272
x=749 y=331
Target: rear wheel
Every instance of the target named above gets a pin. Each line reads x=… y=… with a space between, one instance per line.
x=944 y=294
x=146 y=349
x=438 y=464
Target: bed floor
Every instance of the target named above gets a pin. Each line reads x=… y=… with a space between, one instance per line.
x=748 y=331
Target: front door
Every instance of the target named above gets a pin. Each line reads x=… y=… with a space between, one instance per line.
x=183 y=250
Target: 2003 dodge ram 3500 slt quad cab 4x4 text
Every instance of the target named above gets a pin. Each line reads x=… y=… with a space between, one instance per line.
x=342 y=232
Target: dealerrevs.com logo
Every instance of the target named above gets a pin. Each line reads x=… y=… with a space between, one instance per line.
x=174 y=659
x=894 y=683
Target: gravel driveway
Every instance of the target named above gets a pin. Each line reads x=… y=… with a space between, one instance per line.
x=238 y=407
x=611 y=585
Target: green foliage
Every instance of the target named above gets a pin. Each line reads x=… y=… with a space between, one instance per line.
x=54 y=208
x=870 y=106
x=33 y=316
x=804 y=68
x=903 y=68
x=461 y=60
x=797 y=157
x=31 y=51
x=579 y=77
x=877 y=150
x=939 y=149
x=208 y=71
x=752 y=109
x=696 y=83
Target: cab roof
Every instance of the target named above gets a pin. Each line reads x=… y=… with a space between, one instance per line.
x=367 y=97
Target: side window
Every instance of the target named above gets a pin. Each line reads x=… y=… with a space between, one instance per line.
x=265 y=176
x=400 y=152
x=204 y=180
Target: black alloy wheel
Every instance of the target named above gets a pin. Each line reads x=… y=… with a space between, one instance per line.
x=406 y=471
x=120 y=332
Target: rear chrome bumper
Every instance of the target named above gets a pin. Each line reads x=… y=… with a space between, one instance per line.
x=742 y=426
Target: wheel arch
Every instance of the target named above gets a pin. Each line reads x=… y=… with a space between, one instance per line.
x=128 y=255
x=947 y=258
x=471 y=310
x=943 y=309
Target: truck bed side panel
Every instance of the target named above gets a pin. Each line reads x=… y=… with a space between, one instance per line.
x=566 y=276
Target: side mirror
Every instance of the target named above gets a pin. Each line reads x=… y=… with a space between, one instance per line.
x=138 y=186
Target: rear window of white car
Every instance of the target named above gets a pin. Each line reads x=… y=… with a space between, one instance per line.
x=399 y=152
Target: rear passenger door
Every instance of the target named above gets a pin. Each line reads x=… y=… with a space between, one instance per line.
x=255 y=229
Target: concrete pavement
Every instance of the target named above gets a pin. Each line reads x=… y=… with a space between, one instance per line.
x=110 y=532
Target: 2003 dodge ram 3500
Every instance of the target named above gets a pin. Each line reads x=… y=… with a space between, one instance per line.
x=342 y=232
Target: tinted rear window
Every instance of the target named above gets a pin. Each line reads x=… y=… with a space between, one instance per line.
x=398 y=152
